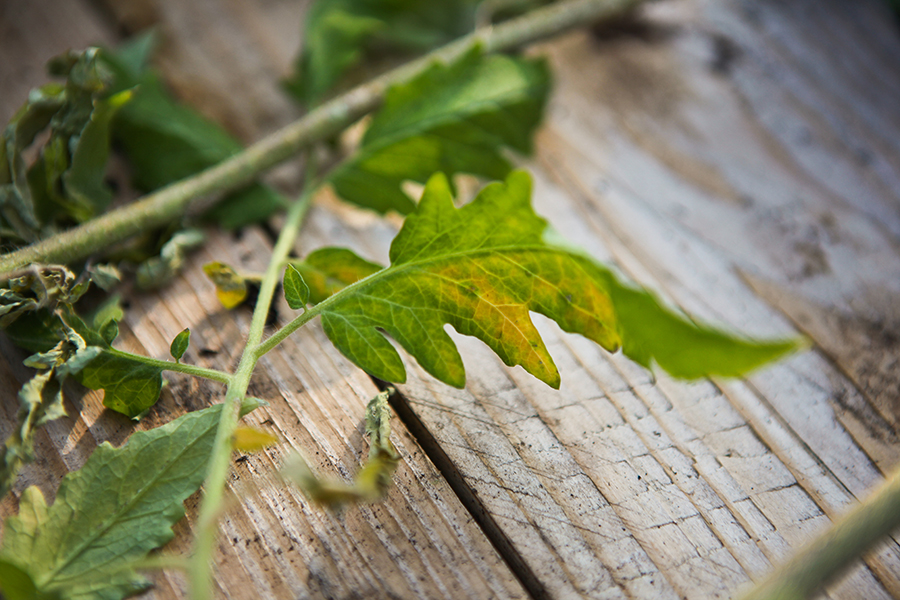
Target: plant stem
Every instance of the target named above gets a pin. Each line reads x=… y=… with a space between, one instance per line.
x=214 y=487
x=828 y=556
x=213 y=374
x=171 y=202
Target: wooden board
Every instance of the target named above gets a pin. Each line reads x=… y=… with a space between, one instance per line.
x=739 y=158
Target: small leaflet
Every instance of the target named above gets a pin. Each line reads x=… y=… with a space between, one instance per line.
x=180 y=344
x=296 y=292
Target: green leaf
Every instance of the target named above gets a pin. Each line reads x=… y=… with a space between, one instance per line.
x=85 y=180
x=65 y=183
x=111 y=513
x=339 y=34
x=251 y=204
x=453 y=119
x=166 y=141
x=328 y=270
x=130 y=387
x=16 y=584
x=296 y=292
x=482 y=268
x=180 y=344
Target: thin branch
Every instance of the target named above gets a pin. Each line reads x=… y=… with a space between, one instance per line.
x=214 y=486
x=171 y=202
x=178 y=367
x=829 y=556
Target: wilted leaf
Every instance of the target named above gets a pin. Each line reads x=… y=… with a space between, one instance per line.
x=338 y=34
x=482 y=269
x=374 y=478
x=231 y=288
x=65 y=183
x=180 y=344
x=112 y=512
x=41 y=400
x=327 y=270
x=452 y=119
x=296 y=292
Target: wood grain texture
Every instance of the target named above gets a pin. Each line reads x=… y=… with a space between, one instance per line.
x=740 y=158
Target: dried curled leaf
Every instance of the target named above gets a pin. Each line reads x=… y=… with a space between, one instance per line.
x=65 y=183
x=372 y=481
x=482 y=268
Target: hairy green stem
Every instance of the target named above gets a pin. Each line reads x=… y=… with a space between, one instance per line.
x=171 y=202
x=179 y=367
x=829 y=556
x=199 y=569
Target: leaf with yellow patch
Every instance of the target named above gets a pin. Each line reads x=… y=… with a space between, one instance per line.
x=248 y=439
x=482 y=269
x=231 y=288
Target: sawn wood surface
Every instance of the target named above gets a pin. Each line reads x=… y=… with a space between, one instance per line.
x=740 y=158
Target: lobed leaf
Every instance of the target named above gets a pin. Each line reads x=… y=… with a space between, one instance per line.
x=112 y=512
x=482 y=268
x=453 y=119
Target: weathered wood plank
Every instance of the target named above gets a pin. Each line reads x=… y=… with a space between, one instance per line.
x=709 y=137
x=419 y=542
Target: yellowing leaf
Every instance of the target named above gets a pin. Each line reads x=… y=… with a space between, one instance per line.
x=328 y=270
x=231 y=288
x=248 y=439
x=482 y=269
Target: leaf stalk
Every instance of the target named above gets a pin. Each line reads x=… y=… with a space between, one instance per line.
x=179 y=367
x=828 y=556
x=199 y=570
